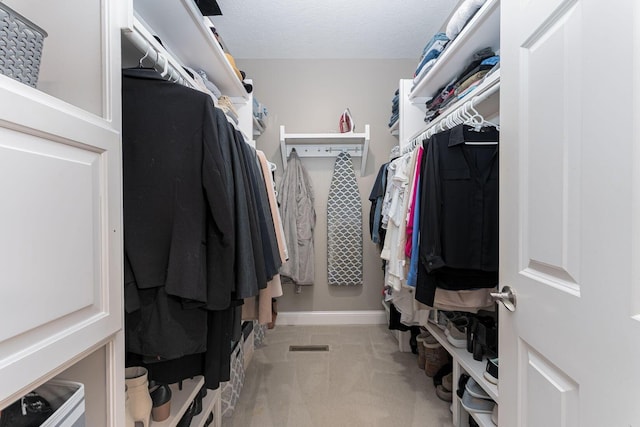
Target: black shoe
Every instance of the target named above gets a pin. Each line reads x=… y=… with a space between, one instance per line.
x=185 y=421
x=30 y=410
x=462 y=383
x=161 y=398
x=209 y=420
x=445 y=370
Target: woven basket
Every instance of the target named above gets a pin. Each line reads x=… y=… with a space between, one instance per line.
x=20 y=46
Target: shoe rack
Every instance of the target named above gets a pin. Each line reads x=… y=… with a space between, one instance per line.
x=463 y=362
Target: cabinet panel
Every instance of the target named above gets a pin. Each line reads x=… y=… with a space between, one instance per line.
x=60 y=245
x=50 y=225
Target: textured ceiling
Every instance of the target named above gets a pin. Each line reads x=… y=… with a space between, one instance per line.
x=281 y=29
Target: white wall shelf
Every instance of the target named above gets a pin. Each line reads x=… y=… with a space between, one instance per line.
x=486 y=102
x=184 y=33
x=483 y=30
x=326 y=145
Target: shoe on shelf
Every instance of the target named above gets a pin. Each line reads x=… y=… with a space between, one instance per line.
x=474 y=389
x=442 y=318
x=491 y=372
x=161 y=399
x=140 y=403
x=462 y=383
x=474 y=404
x=456 y=332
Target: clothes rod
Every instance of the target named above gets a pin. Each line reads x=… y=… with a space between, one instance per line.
x=161 y=62
x=473 y=102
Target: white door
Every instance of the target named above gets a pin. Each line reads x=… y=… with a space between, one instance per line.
x=569 y=213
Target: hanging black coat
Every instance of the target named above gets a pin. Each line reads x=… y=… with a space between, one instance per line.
x=174 y=190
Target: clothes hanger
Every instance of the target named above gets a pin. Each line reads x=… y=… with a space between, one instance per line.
x=146 y=54
x=478 y=119
x=165 y=71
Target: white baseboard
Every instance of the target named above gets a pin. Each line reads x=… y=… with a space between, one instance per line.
x=364 y=317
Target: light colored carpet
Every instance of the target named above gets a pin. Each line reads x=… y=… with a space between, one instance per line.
x=362 y=381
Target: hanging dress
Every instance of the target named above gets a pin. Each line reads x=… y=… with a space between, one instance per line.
x=344 y=226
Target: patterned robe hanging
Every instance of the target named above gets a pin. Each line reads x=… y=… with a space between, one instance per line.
x=344 y=226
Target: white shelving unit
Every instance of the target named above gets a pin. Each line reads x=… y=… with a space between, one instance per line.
x=463 y=361
x=326 y=144
x=186 y=35
x=483 y=30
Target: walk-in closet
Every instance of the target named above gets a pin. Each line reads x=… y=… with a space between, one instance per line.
x=298 y=214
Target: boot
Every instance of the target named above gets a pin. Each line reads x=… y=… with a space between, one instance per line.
x=138 y=393
x=128 y=419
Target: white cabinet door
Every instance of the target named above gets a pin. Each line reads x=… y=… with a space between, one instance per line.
x=569 y=214
x=60 y=245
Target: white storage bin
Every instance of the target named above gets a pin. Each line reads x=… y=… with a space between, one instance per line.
x=67 y=400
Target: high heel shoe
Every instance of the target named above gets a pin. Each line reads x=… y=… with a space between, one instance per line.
x=161 y=399
x=138 y=391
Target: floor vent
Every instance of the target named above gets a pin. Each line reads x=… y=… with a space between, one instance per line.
x=308 y=348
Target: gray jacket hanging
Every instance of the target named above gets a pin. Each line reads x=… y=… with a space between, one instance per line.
x=344 y=226
x=295 y=196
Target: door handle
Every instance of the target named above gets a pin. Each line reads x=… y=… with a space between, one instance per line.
x=506 y=296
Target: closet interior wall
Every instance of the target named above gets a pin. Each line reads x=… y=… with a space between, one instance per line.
x=308 y=96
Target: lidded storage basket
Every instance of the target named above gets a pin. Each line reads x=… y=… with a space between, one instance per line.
x=21 y=44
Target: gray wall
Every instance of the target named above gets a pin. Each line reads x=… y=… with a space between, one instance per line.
x=308 y=96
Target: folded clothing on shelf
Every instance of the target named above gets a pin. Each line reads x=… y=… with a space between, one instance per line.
x=430 y=53
x=484 y=62
x=259 y=109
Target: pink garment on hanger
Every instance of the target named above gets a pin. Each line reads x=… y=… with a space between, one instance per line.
x=416 y=177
